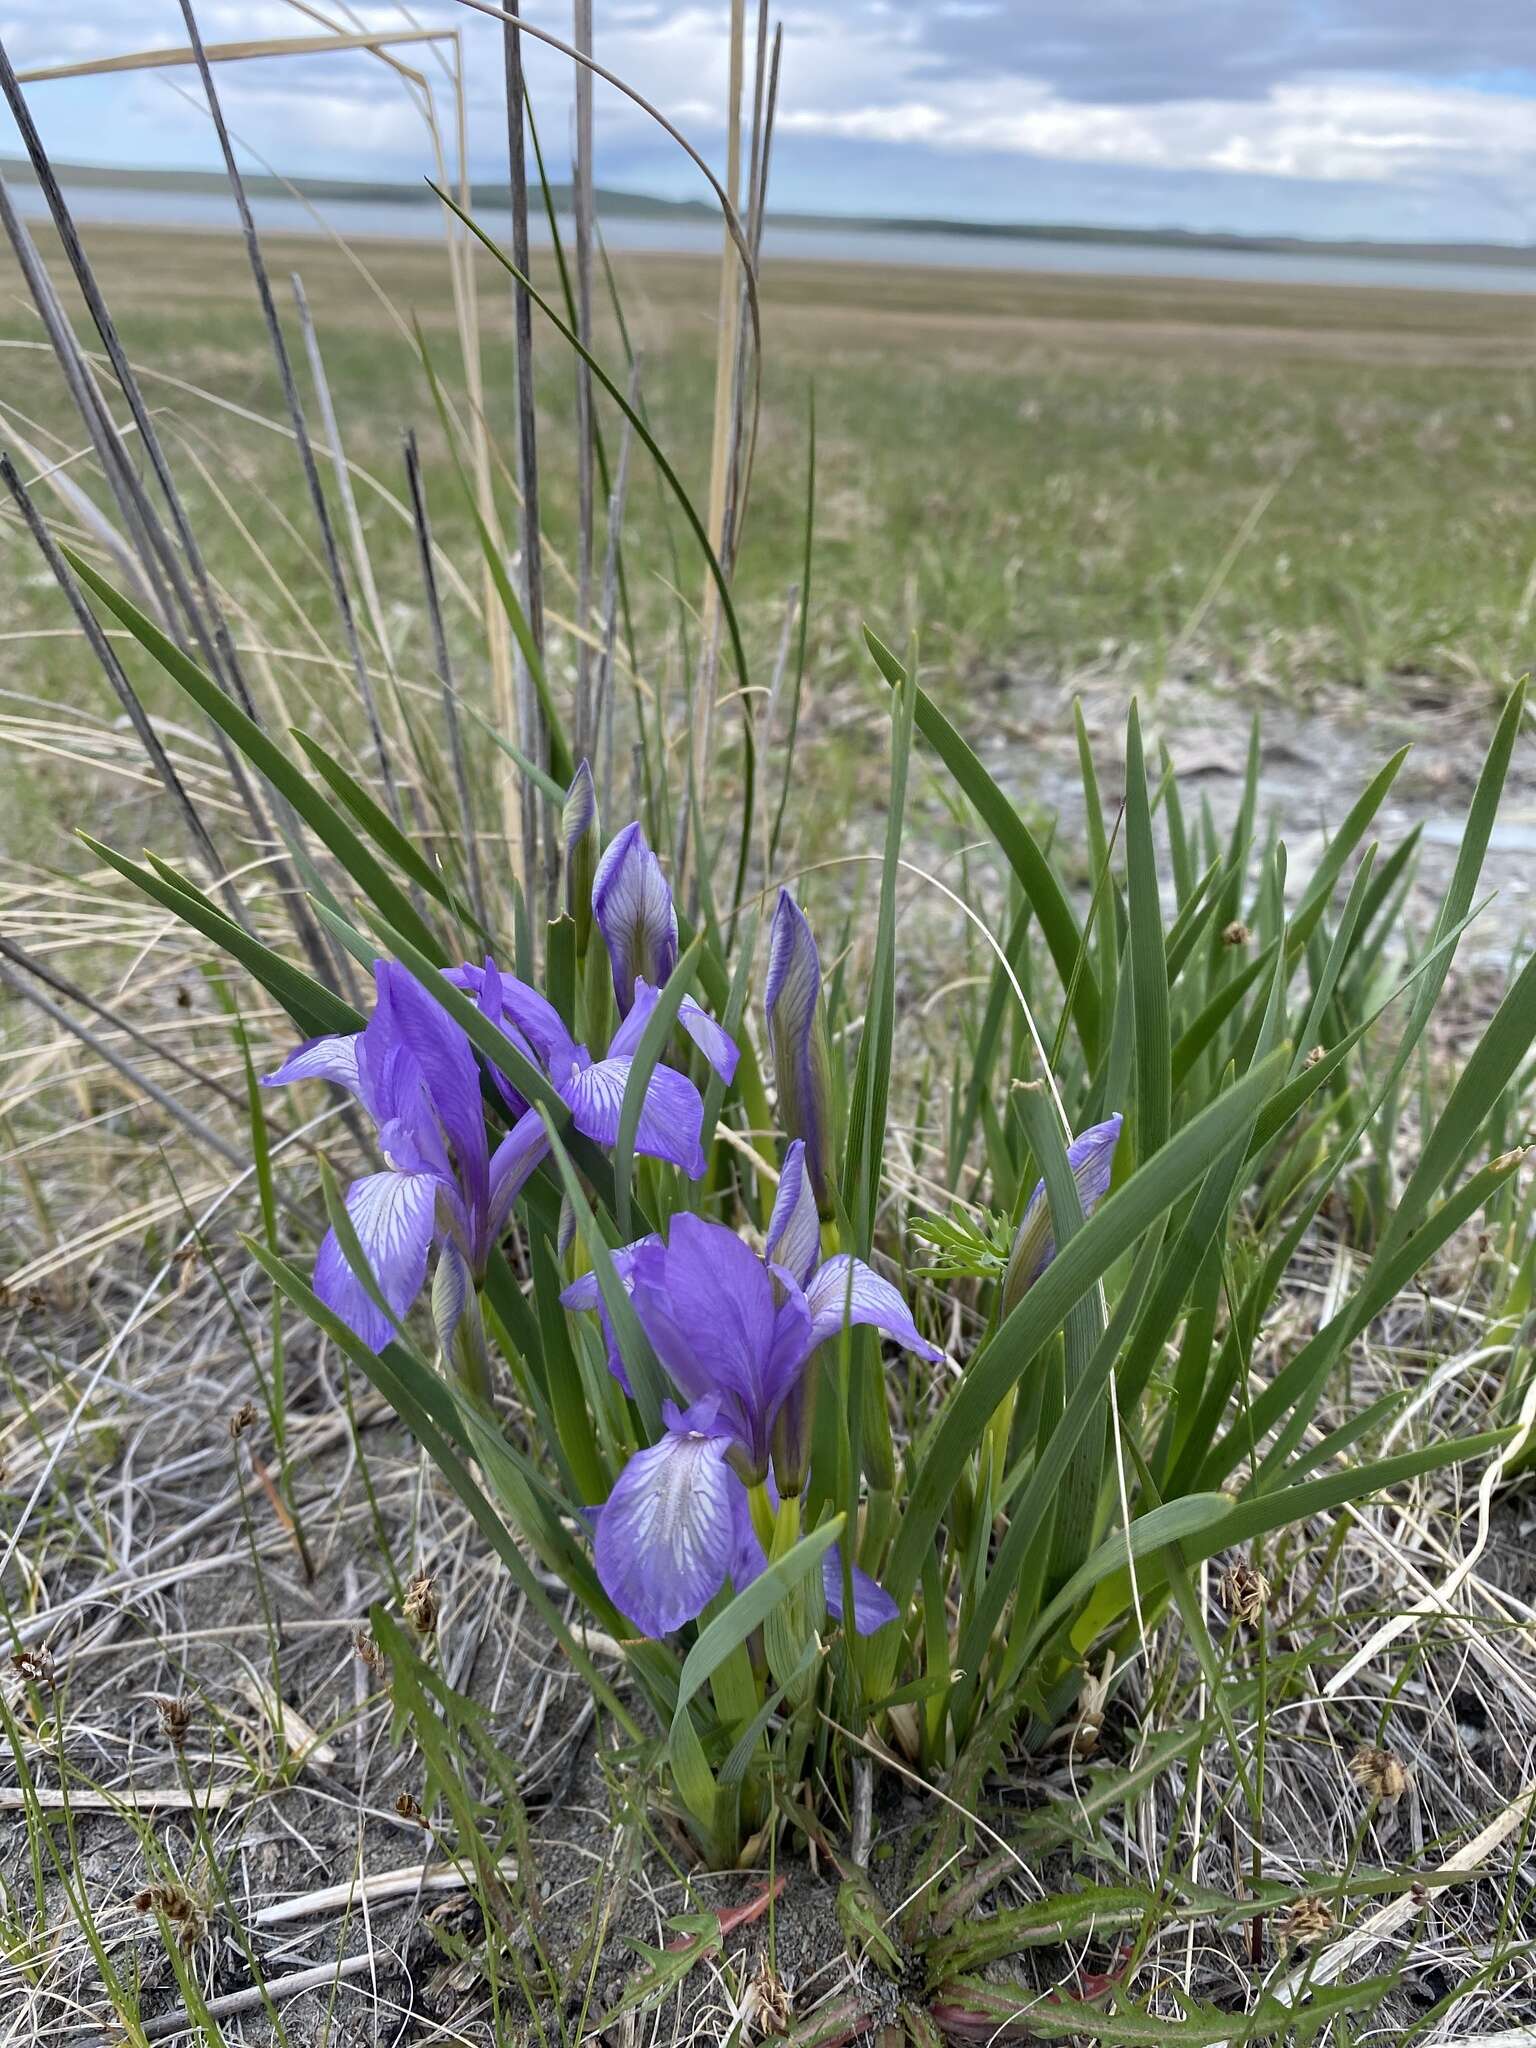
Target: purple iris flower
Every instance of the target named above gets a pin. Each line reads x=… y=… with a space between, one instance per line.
x=797 y=1037
x=1091 y=1158
x=416 y=1074
x=412 y=1069
x=736 y=1333
x=633 y=905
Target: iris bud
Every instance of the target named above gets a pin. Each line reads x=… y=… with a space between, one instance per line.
x=635 y=914
x=579 y=829
x=1091 y=1158
x=797 y=1037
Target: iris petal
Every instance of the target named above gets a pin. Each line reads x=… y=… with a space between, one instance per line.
x=512 y=1163
x=797 y=1039
x=846 y=1290
x=671 y=1115
x=873 y=1607
x=584 y=1293
x=721 y=1324
x=712 y=1039
x=447 y=1068
x=794 y=1228
x=625 y=1042
x=320 y=1059
x=666 y=1535
x=394 y=1215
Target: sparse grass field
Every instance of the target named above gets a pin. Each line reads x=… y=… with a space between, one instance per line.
x=1036 y=468
x=1317 y=500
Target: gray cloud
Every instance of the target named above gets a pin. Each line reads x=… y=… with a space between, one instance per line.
x=1132 y=51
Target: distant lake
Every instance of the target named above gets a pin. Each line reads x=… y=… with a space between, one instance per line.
x=362 y=219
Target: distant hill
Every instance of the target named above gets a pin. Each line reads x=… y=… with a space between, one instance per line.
x=645 y=206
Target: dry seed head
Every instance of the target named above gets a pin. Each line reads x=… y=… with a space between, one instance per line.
x=180 y=1910
x=1244 y=1593
x=1091 y=1702
x=421 y=1605
x=175 y=1719
x=1308 y=1923
x=1506 y=1160
x=409 y=1808
x=35 y=1667
x=770 y=2006
x=1318 y=1052
x=1236 y=933
x=244 y=1418
x=1379 y=1775
x=369 y=1652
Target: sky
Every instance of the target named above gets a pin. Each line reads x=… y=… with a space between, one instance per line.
x=1393 y=119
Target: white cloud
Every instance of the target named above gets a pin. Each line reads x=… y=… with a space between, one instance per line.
x=1316 y=129
x=1233 y=97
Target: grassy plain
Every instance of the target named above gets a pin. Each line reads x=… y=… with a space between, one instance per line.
x=1035 y=468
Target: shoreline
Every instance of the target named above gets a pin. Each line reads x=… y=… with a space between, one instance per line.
x=868 y=262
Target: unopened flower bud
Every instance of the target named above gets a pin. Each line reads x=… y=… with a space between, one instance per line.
x=635 y=914
x=452 y=1286
x=244 y=1418
x=457 y=1319
x=797 y=1038
x=792 y=1433
x=1092 y=1159
x=579 y=829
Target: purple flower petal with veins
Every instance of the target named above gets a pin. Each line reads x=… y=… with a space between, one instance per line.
x=320 y=1059
x=395 y=1218
x=721 y=1326
x=794 y=1228
x=712 y=1039
x=845 y=1290
x=717 y=1046
x=416 y=1073
x=671 y=1111
x=584 y=1293
x=666 y=1535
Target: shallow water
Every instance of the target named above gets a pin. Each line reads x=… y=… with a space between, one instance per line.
x=364 y=219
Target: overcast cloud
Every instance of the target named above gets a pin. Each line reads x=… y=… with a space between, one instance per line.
x=1397 y=118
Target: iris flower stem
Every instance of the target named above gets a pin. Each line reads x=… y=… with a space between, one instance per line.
x=875 y=1527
